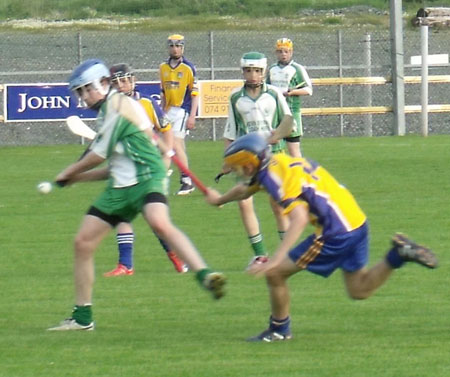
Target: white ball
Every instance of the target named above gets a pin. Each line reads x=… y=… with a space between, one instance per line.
x=44 y=187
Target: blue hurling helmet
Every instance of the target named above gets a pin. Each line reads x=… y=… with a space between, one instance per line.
x=88 y=72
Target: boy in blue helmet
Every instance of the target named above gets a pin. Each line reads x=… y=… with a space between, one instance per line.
x=309 y=194
x=137 y=182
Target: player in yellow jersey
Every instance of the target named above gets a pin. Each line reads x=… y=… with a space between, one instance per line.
x=124 y=80
x=310 y=194
x=179 y=99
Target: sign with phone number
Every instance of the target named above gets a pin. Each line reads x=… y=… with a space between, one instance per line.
x=214 y=96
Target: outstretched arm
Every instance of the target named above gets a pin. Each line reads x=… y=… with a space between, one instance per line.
x=74 y=173
x=298 y=219
x=239 y=192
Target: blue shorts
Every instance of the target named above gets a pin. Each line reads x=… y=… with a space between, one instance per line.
x=349 y=251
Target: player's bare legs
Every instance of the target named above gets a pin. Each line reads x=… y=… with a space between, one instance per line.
x=279 y=321
x=294 y=149
x=157 y=216
x=282 y=220
x=251 y=225
x=363 y=283
x=248 y=216
x=179 y=147
x=91 y=233
x=89 y=236
x=124 y=228
x=278 y=289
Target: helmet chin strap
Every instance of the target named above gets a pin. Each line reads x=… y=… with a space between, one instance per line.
x=253 y=86
x=96 y=106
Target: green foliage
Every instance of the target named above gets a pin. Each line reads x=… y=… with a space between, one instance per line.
x=332 y=20
x=48 y=9
x=161 y=324
x=206 y=15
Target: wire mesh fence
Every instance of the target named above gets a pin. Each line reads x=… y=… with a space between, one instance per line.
x=49 y=57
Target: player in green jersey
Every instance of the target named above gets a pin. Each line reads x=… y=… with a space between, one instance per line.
x=137 y=183
x=294 y=82
x=256 y=107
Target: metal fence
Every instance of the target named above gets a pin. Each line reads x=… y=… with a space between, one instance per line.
x=50 y=57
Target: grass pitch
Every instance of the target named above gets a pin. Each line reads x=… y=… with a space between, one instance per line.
x=159 y=323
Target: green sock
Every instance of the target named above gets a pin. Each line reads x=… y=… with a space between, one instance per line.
x=257 y=244
x=82 y=314
x=201 y=274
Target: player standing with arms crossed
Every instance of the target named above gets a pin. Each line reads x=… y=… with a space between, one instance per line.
x=179 y=99
x=310 y=194
x=294 y=82
x=256 y=107
x=137 y=182
x=123 y=80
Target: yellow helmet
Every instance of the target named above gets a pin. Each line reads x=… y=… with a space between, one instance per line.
x=175 y=39
x=284 y=43
x=251 y=149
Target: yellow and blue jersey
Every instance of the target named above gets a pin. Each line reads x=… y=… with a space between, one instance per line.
x=178 y=84
x=298 y=181
x=154 y=112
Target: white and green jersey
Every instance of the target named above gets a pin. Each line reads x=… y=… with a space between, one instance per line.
x=289 y=77
x=263 y=114
x=132 y=157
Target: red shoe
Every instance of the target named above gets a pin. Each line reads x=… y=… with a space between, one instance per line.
x=119 y=271
x=179 y=265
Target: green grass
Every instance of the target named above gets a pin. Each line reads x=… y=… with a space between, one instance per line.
x=159 y=323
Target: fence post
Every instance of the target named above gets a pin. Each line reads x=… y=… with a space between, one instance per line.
x=79 y=48
x=80 y=59
x=398 y=84
x=211 y=62
x=424 y=83
x=368 y=73
x=341 y=92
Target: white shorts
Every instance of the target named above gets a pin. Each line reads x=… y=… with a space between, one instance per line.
x=178 y=118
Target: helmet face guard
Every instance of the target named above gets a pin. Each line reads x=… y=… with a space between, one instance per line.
x=122 y=73
x=254 y=60
x=90 y=72
x=120 y=70
x=175 y=40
